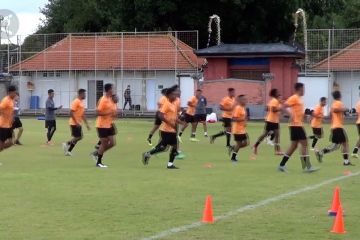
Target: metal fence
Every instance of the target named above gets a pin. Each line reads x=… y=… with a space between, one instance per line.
x=333 y=50
x=67 y=62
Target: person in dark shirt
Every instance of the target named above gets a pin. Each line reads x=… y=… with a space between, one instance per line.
x=17 y=124
x=50 y=120
x=127 y=97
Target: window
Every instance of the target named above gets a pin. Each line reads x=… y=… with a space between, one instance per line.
x=44 y=74
x=247 y=74
x=51 y=74
x=58 y=74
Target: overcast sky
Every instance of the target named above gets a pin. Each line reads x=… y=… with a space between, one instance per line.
x=28 y=12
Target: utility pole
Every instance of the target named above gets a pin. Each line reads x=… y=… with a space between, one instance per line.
x=1 y=19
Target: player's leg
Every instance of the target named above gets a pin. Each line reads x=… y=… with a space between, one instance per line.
x=51 y=130
x=193 y=131
x=160 y=147
x=205 y=127
x=77 y=135
x=102 y=148
x=18 y=135
x=277 y=142
x=172 y=155
x=227 y=126
x=356 y=148
x=259 y=140
x=287 y=155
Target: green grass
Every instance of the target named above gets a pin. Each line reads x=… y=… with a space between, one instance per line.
x=45 y=195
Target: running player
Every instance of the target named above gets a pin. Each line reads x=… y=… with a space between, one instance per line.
x=157 y=122
x=338 y=133
x=190 y=118
x=272 y=122
x=50 y=119
x=6 y=118
x=297 y=131
x=227 y=106
x=317 y=121
x=77 y=117
x=200 y=113
x=168 y=128
x=239 y=119
x=17 y=124
x=356 y=148
x=106 y=112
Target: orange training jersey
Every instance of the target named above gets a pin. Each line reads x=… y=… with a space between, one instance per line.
x=77 y=108
x=161 y=101
x=6 y=112
x=107 y=106
x=297 y=110
x=239 y=127
x=337 y=119
x=228 y=103
x=358 y=112
x=271 y=116
x=191 y=109
x=170 y=111
x=318 y=116
x=177 y=103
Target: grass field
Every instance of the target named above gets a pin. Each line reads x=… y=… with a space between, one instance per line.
x=45 y=195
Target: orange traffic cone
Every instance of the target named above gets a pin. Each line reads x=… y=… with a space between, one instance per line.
x=339 y=222
x=208 y=211
x=335 y=203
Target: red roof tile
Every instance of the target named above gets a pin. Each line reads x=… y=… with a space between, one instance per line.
x=113 y=52
x=346 y=59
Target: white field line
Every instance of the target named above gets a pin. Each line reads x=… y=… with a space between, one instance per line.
x=234 y=212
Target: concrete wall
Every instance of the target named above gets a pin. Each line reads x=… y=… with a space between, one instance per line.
x=349 y=83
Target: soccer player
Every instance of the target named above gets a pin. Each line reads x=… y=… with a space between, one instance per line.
x=106 y=112
x=356 y=148
x=200 y=113
x=157 y=122
x=227 y=106
x=272 y=122
x=169 y=117
x=297 y=131
x=77 y=117
x=190 y=118
x=317 y=121
x=338 y=134
x=6 y=118
x=17 y=124
x=239 y=119
x=50 y=120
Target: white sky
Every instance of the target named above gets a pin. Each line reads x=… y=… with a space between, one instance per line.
x=28 y=12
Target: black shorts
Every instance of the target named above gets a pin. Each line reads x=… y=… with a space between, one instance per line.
x=270 y=126
x=106 y=132
x=297 y=134
x=241 y=137
x=227 y=122
x=189 y=118
x=200 y=117
x=5 y=134
x=157 y=119
x=358 y=128
x=17 y=123
x=318 y=132
x=338 y=136
x=50 y=123
x=76 y=131
x=168 y=138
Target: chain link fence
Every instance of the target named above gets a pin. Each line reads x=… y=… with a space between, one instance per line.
x=147 y=62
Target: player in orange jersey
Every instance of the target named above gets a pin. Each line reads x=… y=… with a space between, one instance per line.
x=271 y=122
x=238 y=130
x=157 y=122
x=317 y=121
x=297 y=131
x=356 y=148
x=227 y=106
x=190 y=117
x=7 y=117
x=77 y=118
x=168 y=130
x=338 y=133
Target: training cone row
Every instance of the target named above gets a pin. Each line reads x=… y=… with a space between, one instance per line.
x=208 y=215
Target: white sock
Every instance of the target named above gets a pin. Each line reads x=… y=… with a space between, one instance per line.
x=346 y=161
x=170 y=164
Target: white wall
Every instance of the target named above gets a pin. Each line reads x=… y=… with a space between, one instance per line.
x=315 y=88
x=349 y=83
